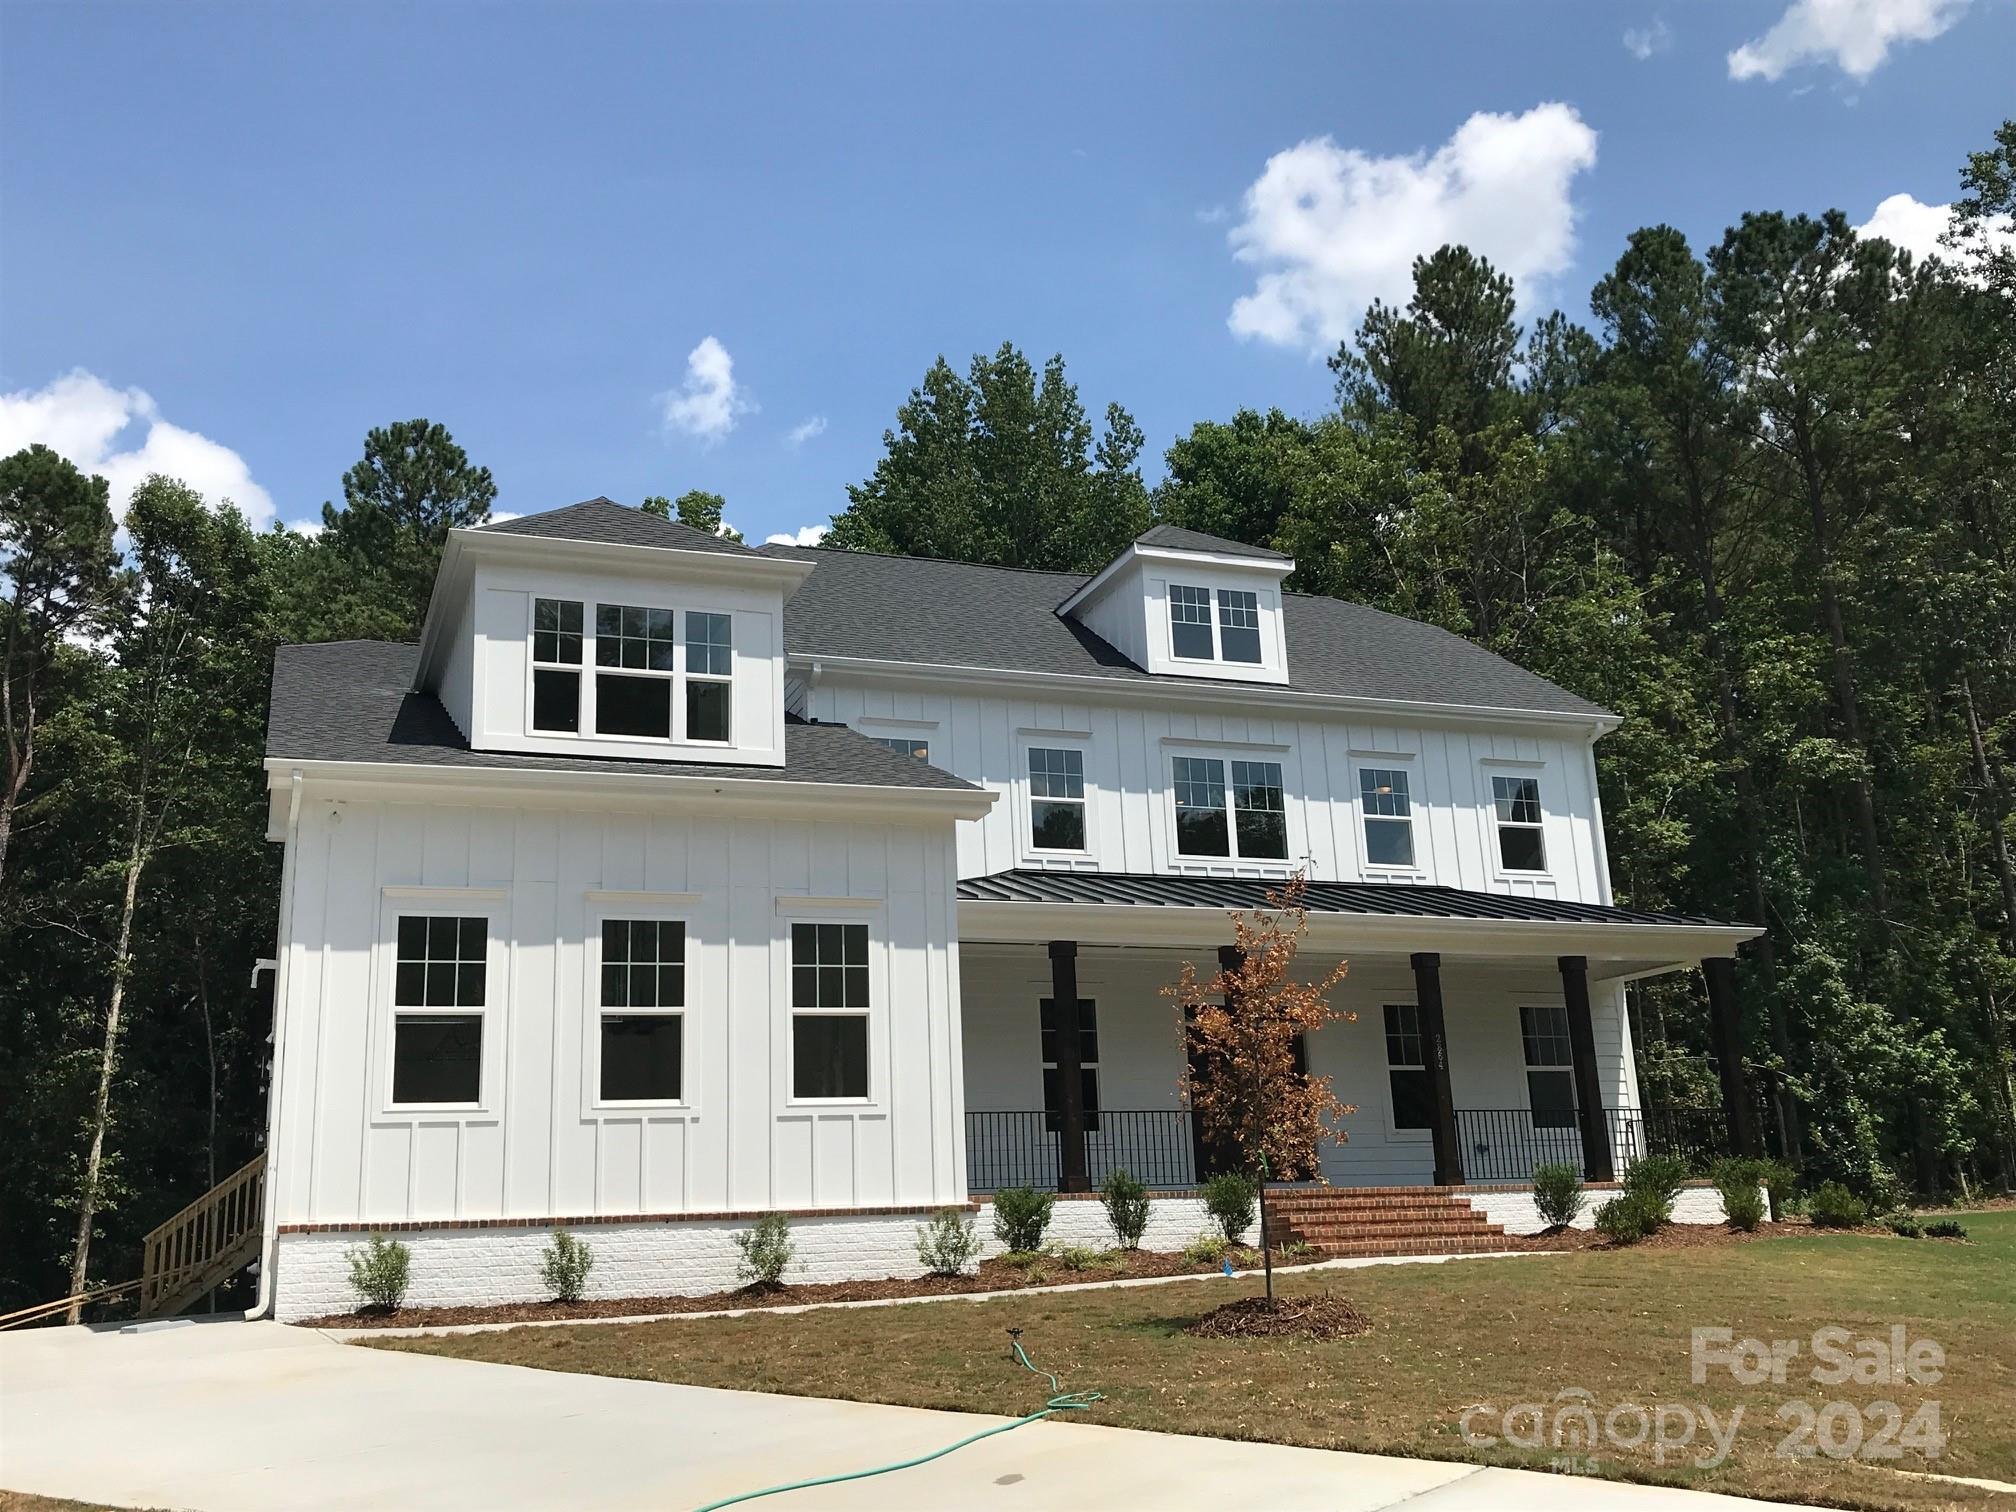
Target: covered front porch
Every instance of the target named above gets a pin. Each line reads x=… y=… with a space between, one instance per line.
x=1488 y=1034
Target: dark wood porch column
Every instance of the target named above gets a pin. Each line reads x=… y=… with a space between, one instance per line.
x=1725 y=1033
x=1071 y=1170
x=1435 y=1047
x=1597 y=1164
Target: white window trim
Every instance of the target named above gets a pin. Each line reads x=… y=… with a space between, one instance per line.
x=534 y=666
x=1384 y=761
x=687 y=677
x=395 y=903
x=1259 y=627
x=610 y=906
x=874 y=914
x=883 y=727
x=1494 y=768
x=1025 y=786
x=1394 y=1133
x=678 y=675
x=1563 y=1068
x=1225 y=756
x=1210 y=621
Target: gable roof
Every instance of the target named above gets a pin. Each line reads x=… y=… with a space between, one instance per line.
x=354 y=701
x=922 y=610
x=1176 y=538
x=608 y=523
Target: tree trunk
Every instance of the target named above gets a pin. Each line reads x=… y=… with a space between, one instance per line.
x=108 y=1060
x=1998 y=840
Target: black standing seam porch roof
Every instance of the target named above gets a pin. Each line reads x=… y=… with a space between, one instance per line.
x=1392 y=899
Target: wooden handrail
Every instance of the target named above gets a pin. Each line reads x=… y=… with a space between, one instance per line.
x=203 y=1234
x=43 y=1310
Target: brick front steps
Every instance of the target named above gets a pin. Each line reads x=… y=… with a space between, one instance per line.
x=1380 y=1221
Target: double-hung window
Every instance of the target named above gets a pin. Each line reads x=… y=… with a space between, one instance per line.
x=1056 y=799
x=1389 y=816
x=556 y=665
x=1190 y=623
x=1521 y=843
x=636 y=661
x=1256 y=827
x=1088 y=1064
x=1550 y=1083
x=643 y=1025
x=1239 y=626
x=1407 y=1068
x=438 y=997
x=829 y=1010
x=710 y=664
x=1233 y=635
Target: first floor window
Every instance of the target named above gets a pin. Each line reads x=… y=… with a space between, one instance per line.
x=1056 y=799
x=438 y=994
x=1550 y=1084
x=1200 y=807
x=1389 y=816
x=829 y=1010
x=1407 y=1068
x=643 y=989
x=1521 y=844
x=1088 y=1064
x=1260 y=815
x=556 y=665
x=1190 y=623
x=905 y=745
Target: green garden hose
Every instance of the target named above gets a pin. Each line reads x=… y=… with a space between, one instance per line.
x=1060 y=1401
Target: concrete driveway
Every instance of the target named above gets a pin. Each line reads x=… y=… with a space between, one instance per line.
x=224 y=1415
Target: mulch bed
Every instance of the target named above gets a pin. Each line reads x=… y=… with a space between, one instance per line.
x=1323 y=1316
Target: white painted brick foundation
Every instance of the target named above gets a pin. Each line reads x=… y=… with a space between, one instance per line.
x=471 y=1267
x=1514 y=1209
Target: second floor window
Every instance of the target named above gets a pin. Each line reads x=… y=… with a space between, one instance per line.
x=1056 y=799
x=1522 y=845
x=1190 y=623
x=1389 y=816
x=905 y=745
x=1256 y=828
x=556 y=665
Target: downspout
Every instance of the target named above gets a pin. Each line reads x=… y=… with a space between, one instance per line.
x=283 y=952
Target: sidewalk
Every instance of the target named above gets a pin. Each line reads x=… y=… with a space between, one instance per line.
x=253 y=1417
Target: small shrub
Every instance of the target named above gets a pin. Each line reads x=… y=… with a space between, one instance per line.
x=1904 y=1226
x=1630 y=1216
x=1021 y=1214
x=1737 y=1181
x=1082 y=1257
x=1296 y=1249
x=767 y=1250
x=565 y=1265
x=1834 y=1206
x=1945 y=1228
x=947 y=1244
x=1126 y=1204
x=380 y=1272
x=1744 y=1207
x=1029 y=1262
x=1206 y=1249
x=1229 y=1198
x=1558 y=1193
x=1657 y=1179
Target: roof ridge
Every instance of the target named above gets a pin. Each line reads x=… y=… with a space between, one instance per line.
x=899 y=556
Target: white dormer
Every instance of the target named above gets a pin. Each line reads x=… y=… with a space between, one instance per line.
x=1184 y=604
x=600 y=630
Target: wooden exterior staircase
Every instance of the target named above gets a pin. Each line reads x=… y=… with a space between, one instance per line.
x=1379 y=1221
x=205 y=1244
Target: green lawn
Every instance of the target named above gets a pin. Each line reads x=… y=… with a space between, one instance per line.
x=1615 y=1324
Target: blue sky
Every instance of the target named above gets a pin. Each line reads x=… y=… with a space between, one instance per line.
x=233 y=237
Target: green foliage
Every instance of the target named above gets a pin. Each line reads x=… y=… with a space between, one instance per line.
x=948 y=1244
x=1081 y=1257
x=564 y=1266
x=1834 y=1206
x=1207 y=1249
x=1631 y=1216
x=1743 y=1206
x=380 y=1272
x=1126 y=1202
x=1021 y=1214
x=1657 y=1179
x=1558 y=1193
x=1945 y=1228
x=1904 y=1226
x=1230 y=1198
x=767 y=1251
x=1737 y=1180
x=697 y=508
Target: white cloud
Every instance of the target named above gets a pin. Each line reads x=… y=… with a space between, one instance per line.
x=806 y=535
x=84 y=418
x=308 y=528
x=1643 y=41
x=1333 y=228
x=1907 y=222
x=804 y=431
x=709 y=403
x=1854 y=35
x=499 y=516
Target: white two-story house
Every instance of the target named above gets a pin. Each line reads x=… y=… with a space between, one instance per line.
x=668 y=882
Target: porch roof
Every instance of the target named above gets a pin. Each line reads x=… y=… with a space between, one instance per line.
x=1124 y=908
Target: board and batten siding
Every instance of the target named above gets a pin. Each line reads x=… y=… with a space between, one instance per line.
x=538 y=1146
x=984 y=738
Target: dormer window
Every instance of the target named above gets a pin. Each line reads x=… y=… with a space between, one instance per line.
x=556 y=665
x=1239 y=625
x=1190 y=623
x=638 y=699
x=1237 y=637
x=710 y=659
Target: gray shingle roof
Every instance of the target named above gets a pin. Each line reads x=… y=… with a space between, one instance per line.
x=608 y=523
x=1176 y=538
x=354 y=701
x=913 y=609
x=1393 y=899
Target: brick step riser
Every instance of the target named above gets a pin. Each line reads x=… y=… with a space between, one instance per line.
x=1367 y=1215
x=1355 y=1199
x=1377 y=1230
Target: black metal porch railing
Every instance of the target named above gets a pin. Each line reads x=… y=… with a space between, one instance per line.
x=1019 y=1148
x=1505 y=1144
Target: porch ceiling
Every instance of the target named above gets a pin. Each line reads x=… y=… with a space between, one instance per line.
x=1109 y=908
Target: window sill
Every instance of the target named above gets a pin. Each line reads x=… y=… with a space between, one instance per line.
x=652 y=1105
x=864 y=1104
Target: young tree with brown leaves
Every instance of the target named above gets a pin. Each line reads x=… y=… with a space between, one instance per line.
x=1239 y=1031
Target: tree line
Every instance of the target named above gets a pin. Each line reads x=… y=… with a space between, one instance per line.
x=1762 y=505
